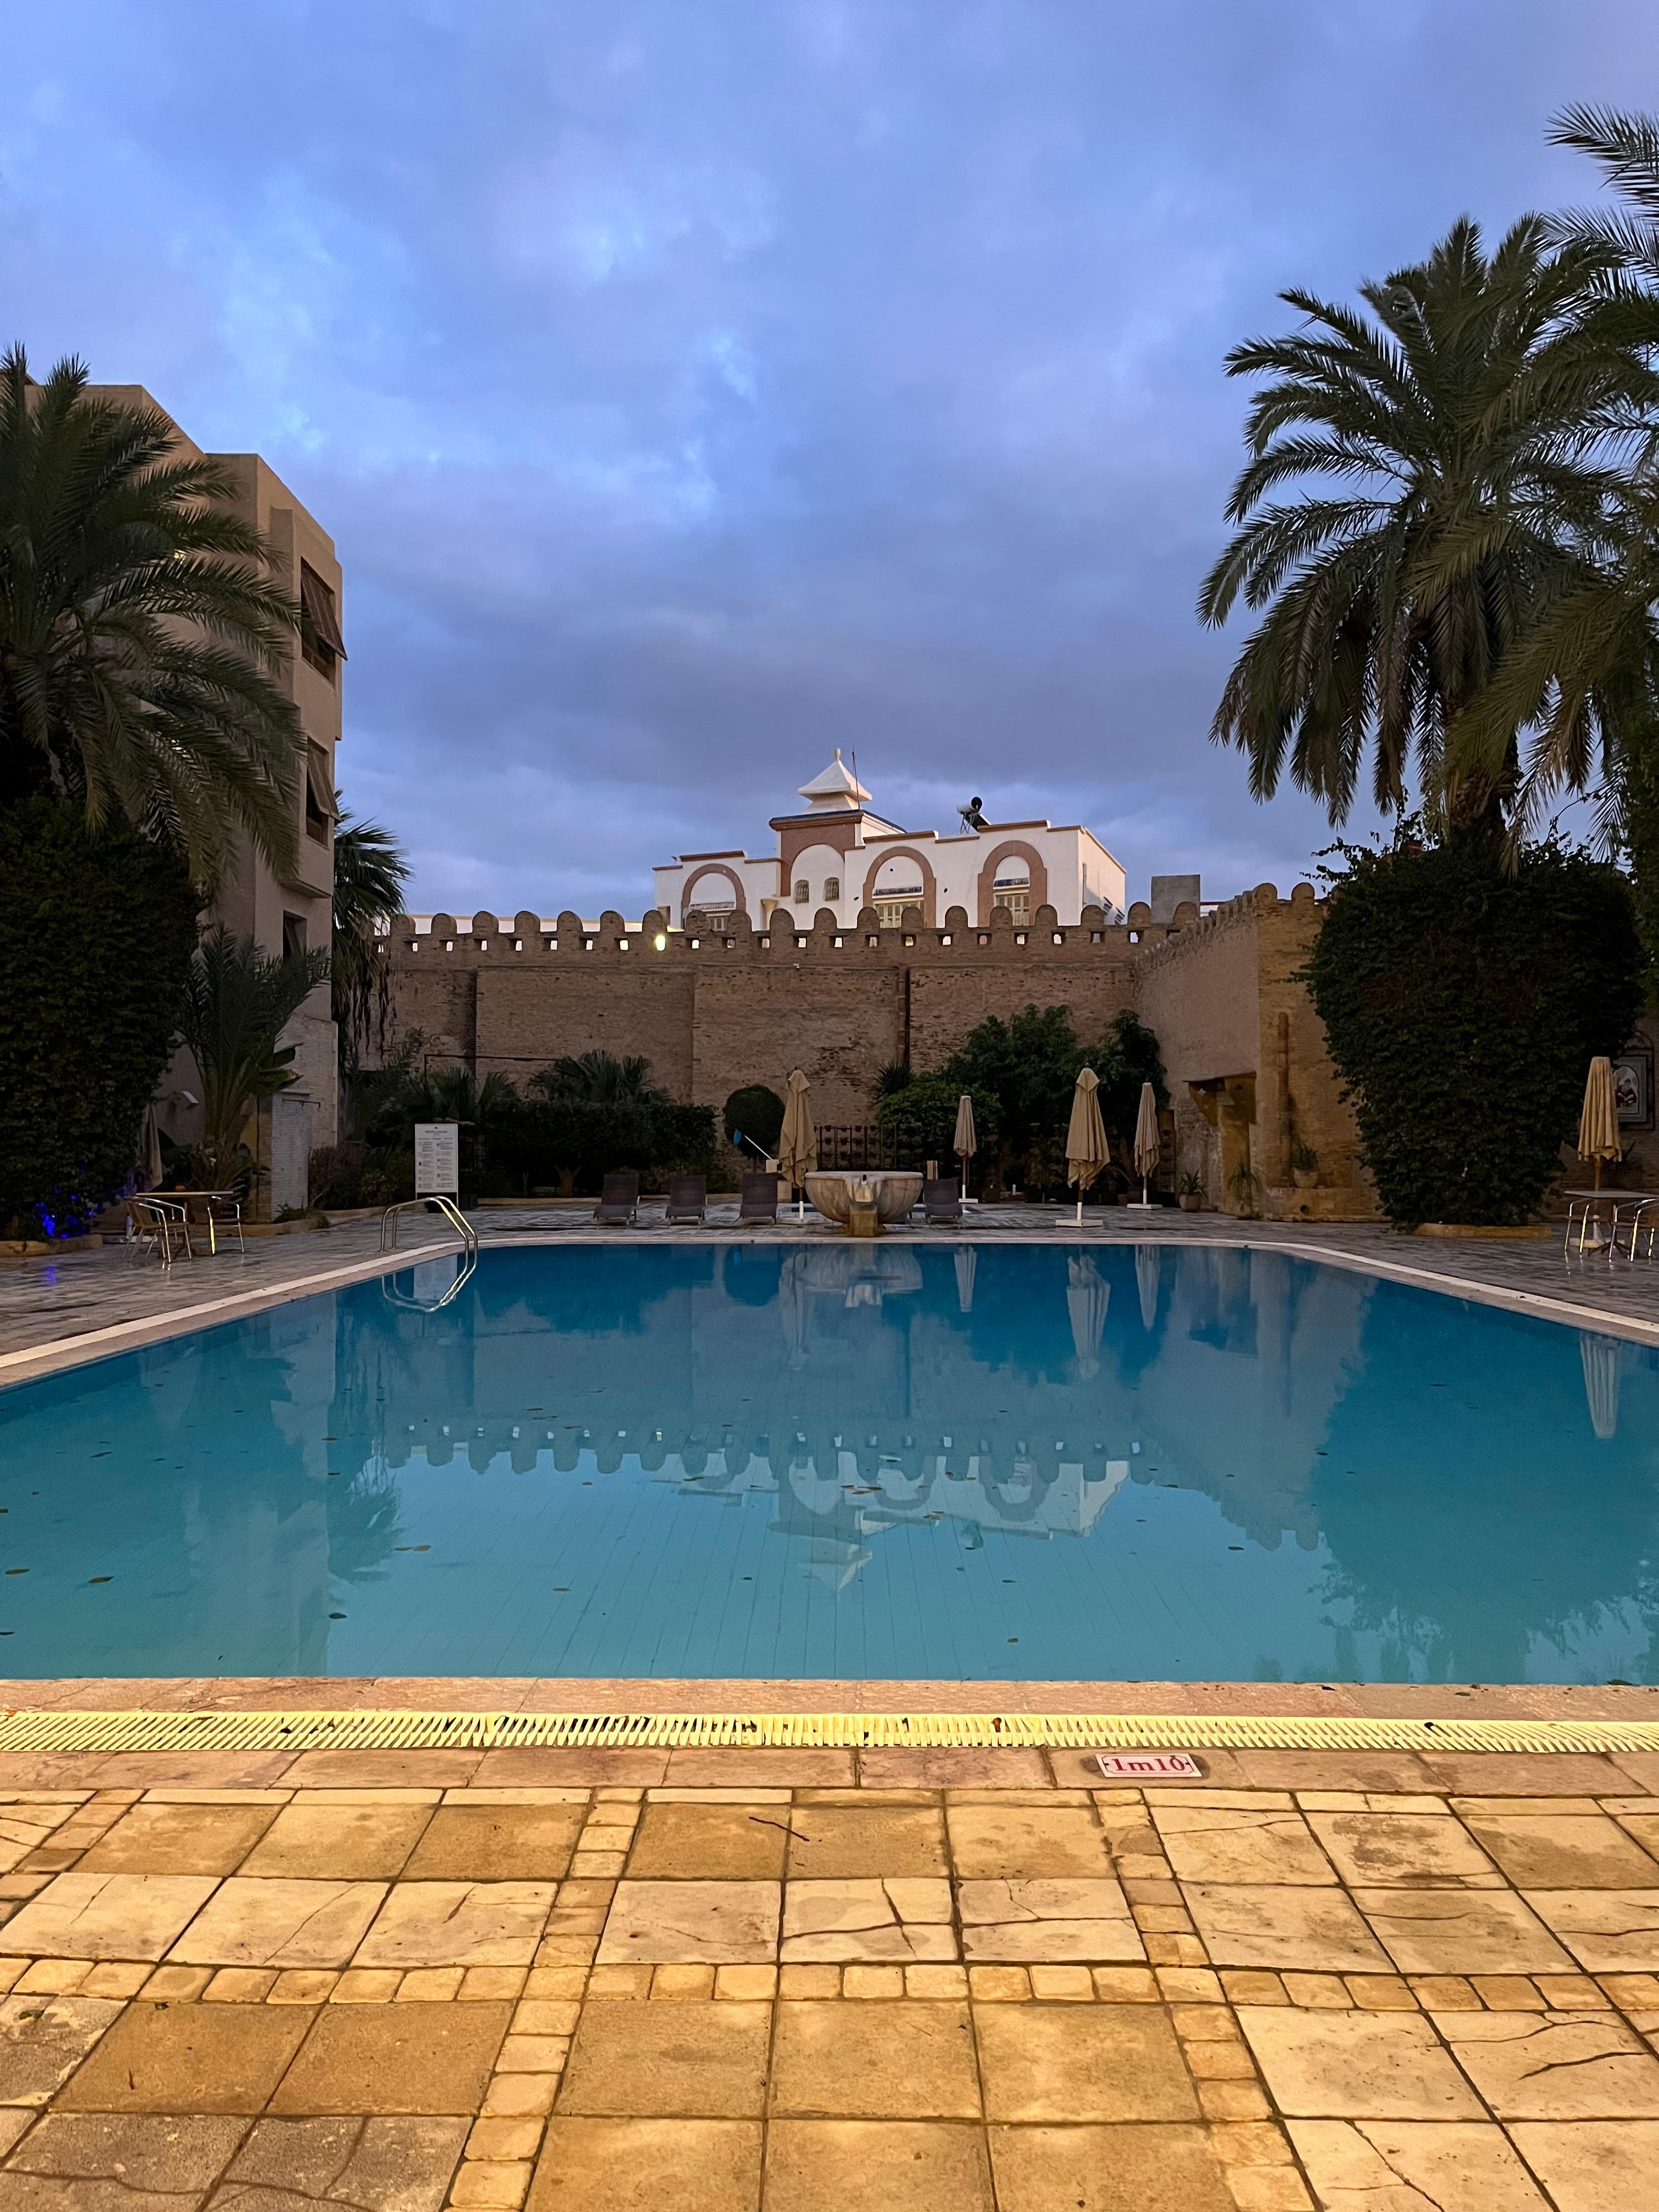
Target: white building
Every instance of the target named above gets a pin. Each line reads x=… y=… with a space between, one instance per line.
x=840 y=857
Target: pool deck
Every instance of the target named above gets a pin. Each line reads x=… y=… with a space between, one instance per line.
x=783 y=1980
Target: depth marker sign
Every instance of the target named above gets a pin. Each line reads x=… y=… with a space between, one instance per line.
x=1148 y=1766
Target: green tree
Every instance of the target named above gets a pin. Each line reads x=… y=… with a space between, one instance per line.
x=598 y=1078
x=1464 y=1003
x=140 y=637
x=919 y=1123
x=757 y=1110
x=370 y=872
x=1451 y=452
x=237 y=1002
x=96 y=940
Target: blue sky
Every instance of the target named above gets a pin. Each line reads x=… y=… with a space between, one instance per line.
x=693 y=385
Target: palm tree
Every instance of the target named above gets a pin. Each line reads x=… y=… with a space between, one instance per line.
x=1454 y=450
x=237 y=1002
x=370 y=872
x=598 y=1078
x=139 y=634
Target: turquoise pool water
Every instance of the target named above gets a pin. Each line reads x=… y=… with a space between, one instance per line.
x=995 y=1461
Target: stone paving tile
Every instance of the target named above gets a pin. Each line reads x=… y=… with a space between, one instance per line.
x=692 y=1922
x=848 y=1841
x=44 y=2040
x=497 y=1842
x=188 y=2058
x=1256 y=1925
x=631 y=2165
x=1058 y=1921
x=876 y=2166
x=394 y=2059
x=94 y=2161
x=670 y=2061
x=1595 y=2166
x=1357 y=2065
x=1555 y=2066
x=1462 y=1931
x=1228 y=1844
x=108 y=1916
x=1608 y=1931
x=710 y=1843
x=346 y=1842
x=913 y=2061
x=1117 y=2169
x=374 y=2164
x=1091 y=2062
x=458 y=1924
x=280 y=1923
x=1560 y=1850
x=904 y=1918
x=989 y=1843
x=1452 y=2166
x=179 y=1839
x=1412 y=1849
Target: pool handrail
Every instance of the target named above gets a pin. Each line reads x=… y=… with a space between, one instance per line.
x=444 y=1204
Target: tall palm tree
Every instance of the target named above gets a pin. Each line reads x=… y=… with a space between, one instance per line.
x=370 y=872
x=1452 y=451
x=139 y=633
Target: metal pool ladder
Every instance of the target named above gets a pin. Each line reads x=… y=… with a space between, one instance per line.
x=451 y=1213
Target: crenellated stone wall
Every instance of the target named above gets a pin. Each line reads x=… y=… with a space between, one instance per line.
x=714 y=1010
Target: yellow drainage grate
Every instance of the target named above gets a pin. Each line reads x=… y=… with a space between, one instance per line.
x=26 y=1730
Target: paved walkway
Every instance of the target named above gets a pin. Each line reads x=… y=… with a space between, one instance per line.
x=73 y=1295
x=719 y=1982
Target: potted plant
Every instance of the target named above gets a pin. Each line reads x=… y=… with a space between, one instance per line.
x=1189 y=1193
x=1245 y=1185
x=1305 y=1166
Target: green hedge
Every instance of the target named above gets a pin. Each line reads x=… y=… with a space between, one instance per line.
x=95 y=940
x=919 y=1123
x=1463 y=1006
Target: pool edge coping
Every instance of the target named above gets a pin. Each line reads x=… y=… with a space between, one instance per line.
x=30 y=1362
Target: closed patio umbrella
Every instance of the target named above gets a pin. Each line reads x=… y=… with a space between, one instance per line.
x=1602 y=1356
x=964 y=1143
x=1598 y=1123
x=1147 y=1141
x=1087 y=1296
x=1086 y=1137
x=967 y=1261
x=798 y=1142
x=151 y=1136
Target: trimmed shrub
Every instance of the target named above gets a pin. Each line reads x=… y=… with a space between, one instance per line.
x=919 y=1123
x=758 y=1112
x=96 y=935
x=1463 y=1006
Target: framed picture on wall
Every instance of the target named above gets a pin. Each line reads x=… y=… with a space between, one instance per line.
x=1633 y=1086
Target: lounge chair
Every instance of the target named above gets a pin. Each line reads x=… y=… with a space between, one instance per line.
x=941 y=1200
x=758 y=1201
x=688 y=1197
x=619 y=1200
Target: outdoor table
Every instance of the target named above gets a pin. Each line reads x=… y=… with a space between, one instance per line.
x=1594 y=1211
x=208 y=1199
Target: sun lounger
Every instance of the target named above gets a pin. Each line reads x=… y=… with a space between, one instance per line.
x=941 y=1199
x=688 y=1197
x=619 y=1200
x=758 y=1201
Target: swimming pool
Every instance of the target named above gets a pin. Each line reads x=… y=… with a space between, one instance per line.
x=839 y=1459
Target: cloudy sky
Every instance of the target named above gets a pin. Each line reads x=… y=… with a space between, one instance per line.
x=693 y=385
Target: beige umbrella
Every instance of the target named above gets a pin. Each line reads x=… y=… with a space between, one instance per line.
x=1147 y=1141
x=964 y=1143
x=1598 y=1124
x=798 y=1142
x=1087 y=1296
x=1086 y=1137
x=150 y=1141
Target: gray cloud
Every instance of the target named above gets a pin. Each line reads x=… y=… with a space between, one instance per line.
x=692 y=389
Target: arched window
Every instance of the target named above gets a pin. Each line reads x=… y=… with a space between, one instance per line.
x=1013 y=888
x=831 y=889
x=803 y=891
x=897 y=885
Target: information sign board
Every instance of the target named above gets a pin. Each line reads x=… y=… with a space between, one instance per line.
x=437 y=1159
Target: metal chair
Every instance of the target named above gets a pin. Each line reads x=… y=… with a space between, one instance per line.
x=1633 y=1221
x=160 y=1223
